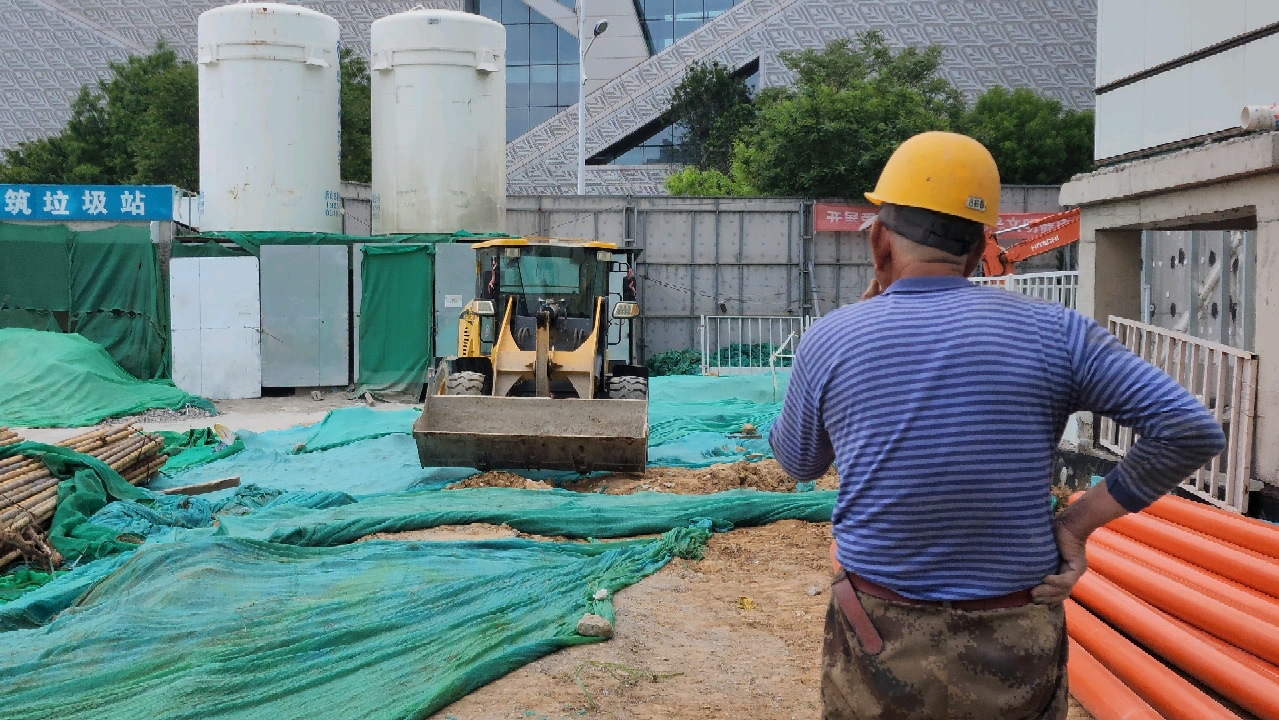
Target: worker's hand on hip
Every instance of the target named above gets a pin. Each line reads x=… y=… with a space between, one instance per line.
x=1056 y=588
x=872 y=290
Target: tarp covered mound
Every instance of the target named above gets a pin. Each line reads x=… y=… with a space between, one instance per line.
x=55 y=380
x=561 y=513
x=229 y=628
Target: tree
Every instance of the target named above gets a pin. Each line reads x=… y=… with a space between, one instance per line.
x=139 y=126
x=851 y=106
x=1034 y=141
x=710 y=106
x=357 y=123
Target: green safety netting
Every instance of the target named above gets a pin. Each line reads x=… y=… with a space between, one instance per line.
x=273 y=459
x=103 y=284
x=230 y=628
x=253 y=241
x=541 y=512
x=193 y=448
x=348 y=425
x=396 y=307
x=55 y=380
x=206 y=249
x=675 y=362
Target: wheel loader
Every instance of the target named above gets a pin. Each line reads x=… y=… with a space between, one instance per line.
x=531 y=386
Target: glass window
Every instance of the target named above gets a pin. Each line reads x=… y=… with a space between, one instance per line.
x=568 y=48
x=517 y=45
x=684 y=27
x=514 y=11
x=568 y=85
x=543 y=84
x=542 y=44
x=659 y=9
x=517 y=87
x=516 y=122
x=539 y=115
x=715 y=7
x=689 y=10
x=491 y=9
x=662 y=33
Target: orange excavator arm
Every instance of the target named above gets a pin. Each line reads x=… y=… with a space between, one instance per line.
x=1062 y=230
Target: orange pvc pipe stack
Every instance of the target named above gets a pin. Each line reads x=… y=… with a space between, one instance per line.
x=1253 y=602
x=1102 y=694
x=1252 y=690
x=1246 y=658
x=1244 y=631
x=1166 y=691
x=1246 y=532
x=1251 y=569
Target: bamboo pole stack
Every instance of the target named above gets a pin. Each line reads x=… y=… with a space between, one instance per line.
x=29 y=492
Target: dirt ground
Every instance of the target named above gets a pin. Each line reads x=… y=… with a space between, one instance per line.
x=734 y=635
x=763 y=475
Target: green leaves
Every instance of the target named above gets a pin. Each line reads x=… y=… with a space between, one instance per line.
x=1034 y=141
x=357 y=123
x=711 y=106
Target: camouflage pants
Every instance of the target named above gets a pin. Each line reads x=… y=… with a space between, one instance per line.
x=946 y=664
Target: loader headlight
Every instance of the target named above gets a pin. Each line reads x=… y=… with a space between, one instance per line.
x=483 y=307
x=626 y=310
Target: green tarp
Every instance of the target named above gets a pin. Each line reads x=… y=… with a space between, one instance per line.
x=54 y=380
x=103 y=284
x=231 y=628
x=253 y=241
x=193 y=448
x=396 y=311
x=561 y=513
x=348 y=425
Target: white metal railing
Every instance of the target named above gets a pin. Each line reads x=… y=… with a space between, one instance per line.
x=1059 y=287
x=1224 y=379
x=747 y=345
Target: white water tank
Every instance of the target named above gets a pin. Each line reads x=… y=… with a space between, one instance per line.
x=270 y=130
x=439 y=123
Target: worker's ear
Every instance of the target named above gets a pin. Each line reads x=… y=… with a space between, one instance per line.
x=881 y=246
x=974 y=256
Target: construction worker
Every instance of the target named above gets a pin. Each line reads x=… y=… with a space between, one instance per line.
x=941 y=404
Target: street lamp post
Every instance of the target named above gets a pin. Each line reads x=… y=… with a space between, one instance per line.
x=583 y=47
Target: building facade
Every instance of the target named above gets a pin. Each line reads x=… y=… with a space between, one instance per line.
x=51 y=49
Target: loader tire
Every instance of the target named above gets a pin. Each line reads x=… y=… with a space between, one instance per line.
x=464 y=383
x=628 y=388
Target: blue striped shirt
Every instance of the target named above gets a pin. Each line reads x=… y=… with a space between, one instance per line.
x=942 y=403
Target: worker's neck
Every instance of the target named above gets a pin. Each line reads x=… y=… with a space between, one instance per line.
x=926 y=268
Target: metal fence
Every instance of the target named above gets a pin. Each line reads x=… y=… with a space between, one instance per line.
x=1059 y=287
x=1225 y=381
x=747 y=345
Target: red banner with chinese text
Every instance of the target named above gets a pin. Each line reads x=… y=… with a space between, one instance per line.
x=838 y=217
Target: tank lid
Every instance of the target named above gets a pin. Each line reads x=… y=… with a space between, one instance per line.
x=244 y=7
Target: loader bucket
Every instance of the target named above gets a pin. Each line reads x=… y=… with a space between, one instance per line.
x=491 y=433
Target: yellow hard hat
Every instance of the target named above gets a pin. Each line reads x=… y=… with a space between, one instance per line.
x=943 y=172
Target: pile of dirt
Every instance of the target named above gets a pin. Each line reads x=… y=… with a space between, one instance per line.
x=498 y=478
x=765 y=475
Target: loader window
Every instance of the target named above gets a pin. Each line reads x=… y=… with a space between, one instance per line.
x=572 y=277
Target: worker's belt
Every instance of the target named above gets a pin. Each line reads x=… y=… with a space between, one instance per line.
x=869 y=637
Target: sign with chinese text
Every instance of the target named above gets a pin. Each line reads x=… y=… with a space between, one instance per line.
x=836 y=217
x=832 y=217
x=87 y=202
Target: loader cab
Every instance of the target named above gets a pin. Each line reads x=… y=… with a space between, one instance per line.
x=565 y=279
